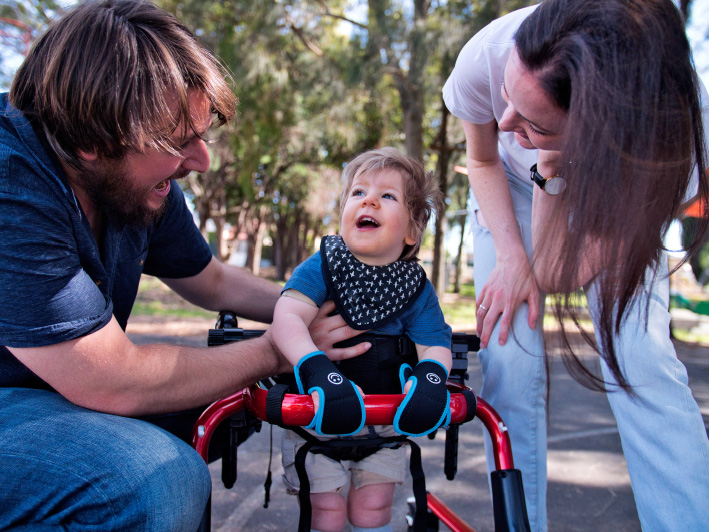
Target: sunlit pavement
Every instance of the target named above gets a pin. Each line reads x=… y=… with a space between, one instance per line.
x=589 y=488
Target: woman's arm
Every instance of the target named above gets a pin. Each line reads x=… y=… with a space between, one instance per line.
x=511 y=281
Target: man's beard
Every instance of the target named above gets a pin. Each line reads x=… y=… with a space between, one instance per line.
x=115 y=195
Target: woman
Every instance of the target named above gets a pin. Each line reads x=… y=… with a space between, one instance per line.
x=603 y=95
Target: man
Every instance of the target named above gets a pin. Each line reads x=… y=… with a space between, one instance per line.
x=110 y=108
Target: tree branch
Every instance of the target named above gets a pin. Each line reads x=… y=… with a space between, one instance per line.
x=307 y=42
x=328 y=13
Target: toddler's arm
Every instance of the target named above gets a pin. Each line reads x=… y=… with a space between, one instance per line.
x=291 y=319
x=440 y=354
x=339 y=408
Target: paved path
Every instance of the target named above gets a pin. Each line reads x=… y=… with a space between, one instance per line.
x=589 y=487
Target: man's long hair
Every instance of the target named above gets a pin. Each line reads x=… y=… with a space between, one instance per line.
x=114 y=75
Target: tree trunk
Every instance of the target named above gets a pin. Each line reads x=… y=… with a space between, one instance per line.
x=463 y=218
x=258 y=248
x=412 y=110
x=280 y=253
x=254 y=227
x=444 y=154
x=218 y=240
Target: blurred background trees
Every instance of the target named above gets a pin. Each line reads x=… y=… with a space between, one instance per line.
x=319 y=81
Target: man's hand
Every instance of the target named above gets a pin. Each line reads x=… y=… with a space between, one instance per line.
x=284 y=366
x=326 y=331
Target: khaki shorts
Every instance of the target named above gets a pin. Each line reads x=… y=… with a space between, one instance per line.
x=327 y=475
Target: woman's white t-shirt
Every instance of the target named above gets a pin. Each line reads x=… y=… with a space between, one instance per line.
x=472 y=92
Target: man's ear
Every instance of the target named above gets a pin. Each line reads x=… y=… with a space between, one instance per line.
x=88 y=156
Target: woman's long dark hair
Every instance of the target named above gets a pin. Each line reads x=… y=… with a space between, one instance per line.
x=633 y=145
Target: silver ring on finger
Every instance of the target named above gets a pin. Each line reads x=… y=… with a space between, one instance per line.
x=484 y=308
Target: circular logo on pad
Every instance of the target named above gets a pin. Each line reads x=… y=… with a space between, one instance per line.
x=433 y=378
x=335 y=378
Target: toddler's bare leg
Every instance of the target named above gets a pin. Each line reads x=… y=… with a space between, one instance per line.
x=329 y=512
x=370 y=505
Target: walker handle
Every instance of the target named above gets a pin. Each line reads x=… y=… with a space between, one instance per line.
x=297 y=410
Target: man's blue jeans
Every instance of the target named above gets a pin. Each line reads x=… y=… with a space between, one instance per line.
x=66 y=467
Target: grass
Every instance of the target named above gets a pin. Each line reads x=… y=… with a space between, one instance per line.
x=690 y=337
x=459 y=313
x=156 y=299
x=157 y=308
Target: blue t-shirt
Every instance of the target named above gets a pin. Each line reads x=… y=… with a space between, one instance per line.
x=55 y=282
x=422 y=321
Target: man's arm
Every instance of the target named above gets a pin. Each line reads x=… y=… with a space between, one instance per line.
x=105 y=371
x=221 y=286
x=511 y=282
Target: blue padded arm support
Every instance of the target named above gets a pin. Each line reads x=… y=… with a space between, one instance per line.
x=427 y=404
x=341 y=409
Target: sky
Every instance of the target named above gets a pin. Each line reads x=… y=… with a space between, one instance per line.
x=698 y=33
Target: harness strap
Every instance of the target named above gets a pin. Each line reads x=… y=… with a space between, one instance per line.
x=419 y=487
x=352 y=450
x=471 y=402
x=306 y=510
x=274 y=404
x=274 y=416
x=365 y=447
x=332 y=449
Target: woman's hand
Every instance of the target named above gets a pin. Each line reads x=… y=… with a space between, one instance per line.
x=510 y=283
x=326 y=331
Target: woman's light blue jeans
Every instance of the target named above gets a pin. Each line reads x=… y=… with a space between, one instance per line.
x=63 y=467
x=661 y=428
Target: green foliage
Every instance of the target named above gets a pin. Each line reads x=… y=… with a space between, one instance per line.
x=699 y=262
x=317 y=87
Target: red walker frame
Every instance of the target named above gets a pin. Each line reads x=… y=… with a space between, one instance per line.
x=297 y=410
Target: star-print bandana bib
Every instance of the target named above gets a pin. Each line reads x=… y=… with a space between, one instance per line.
x=368 y=296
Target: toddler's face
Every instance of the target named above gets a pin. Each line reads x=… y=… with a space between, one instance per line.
x=375 y=219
